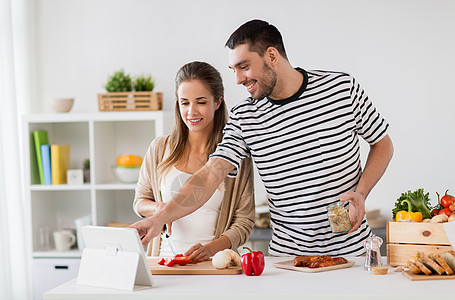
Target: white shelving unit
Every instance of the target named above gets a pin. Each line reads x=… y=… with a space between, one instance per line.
x=100 y=137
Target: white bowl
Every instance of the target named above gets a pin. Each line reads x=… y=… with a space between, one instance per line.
x=127 y=174
x=62 y=104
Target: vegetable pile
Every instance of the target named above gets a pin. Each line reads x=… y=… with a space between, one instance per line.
x=415 y=207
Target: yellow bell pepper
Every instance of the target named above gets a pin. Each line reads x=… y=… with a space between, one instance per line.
x=403 y=215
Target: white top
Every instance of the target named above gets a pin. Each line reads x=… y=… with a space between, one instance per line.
x=198 y=227
x=307 y=151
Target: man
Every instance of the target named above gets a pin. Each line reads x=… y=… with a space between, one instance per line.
x=301 y=128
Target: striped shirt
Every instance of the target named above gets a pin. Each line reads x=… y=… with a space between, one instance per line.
x=307 y=152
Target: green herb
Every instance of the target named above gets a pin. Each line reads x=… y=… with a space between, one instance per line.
x=144 y=84
x=419 y=200
x=119 y=82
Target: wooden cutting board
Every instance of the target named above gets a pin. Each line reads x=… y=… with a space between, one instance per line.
x=202 y=268
x=289 y=265
x=418 y=277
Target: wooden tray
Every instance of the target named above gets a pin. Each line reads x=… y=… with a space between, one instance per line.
x=419 y=277
x=289 y=265
x=202 y=268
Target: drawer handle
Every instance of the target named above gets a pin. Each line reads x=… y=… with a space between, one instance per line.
x=61 y=267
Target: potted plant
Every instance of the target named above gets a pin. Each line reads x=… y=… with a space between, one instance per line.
x=86 y=169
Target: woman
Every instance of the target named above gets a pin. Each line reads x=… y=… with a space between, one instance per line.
x=227 y=219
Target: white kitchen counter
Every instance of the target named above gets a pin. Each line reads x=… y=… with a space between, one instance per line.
x=277 y=284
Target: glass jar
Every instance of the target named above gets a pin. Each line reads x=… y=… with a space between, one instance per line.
x=338 y=217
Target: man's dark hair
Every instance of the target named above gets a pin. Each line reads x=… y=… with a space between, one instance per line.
x=259 y=35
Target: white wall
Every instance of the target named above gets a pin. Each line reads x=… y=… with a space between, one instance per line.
x=402 y=52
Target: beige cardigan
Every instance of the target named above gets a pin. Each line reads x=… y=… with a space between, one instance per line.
x=237 y=213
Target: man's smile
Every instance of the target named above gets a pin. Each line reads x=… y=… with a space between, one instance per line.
x=250 y=86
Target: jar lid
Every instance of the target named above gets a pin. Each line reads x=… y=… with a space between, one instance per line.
x=373 y=242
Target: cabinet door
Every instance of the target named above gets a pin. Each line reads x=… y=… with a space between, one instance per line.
x=51 y=272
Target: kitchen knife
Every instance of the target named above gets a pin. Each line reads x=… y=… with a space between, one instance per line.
x=169 y=241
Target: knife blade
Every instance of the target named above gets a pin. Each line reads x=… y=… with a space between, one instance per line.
x=169 y=241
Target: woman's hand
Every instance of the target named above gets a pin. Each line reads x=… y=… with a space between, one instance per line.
x=198 y=253
x=356 y=208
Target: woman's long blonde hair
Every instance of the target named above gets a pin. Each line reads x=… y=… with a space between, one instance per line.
x=178 y=138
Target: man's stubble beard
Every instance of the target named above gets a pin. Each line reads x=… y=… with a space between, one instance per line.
x=269 y=83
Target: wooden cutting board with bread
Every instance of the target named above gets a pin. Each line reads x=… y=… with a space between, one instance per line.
x=431 y=267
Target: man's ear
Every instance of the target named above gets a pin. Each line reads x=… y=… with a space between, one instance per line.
x=272 y=55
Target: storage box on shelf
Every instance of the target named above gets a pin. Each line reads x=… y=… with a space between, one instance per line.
x=130 y=101
x=405 y=238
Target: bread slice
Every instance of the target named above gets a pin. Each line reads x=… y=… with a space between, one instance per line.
x=440 y=261
x=429 y=263
x=449 y=258
x=413 y=268
x=417 y=261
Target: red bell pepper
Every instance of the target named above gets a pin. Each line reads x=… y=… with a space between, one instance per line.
x=253 y=262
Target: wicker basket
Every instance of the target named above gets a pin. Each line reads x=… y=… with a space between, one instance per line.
x=130 y=101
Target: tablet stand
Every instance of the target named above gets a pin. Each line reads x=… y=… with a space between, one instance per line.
x=109 y=267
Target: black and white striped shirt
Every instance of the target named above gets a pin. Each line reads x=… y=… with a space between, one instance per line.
x=307 y=152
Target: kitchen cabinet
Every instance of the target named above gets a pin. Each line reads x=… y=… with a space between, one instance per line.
x=100 y=137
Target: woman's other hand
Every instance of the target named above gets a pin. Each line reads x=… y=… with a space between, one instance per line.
x=198 y=253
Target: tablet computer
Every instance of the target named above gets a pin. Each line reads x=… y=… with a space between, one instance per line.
x=117 y=255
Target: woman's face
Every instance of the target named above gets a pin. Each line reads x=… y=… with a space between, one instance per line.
x=197 y=106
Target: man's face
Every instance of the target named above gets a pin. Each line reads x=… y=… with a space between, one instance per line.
x=252 y=71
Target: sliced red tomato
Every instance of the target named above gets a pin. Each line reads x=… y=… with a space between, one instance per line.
x=169 y=262
x=182 y=260
x=161 y=261
x=178 y=255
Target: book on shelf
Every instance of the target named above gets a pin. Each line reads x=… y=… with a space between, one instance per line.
x=46 y=162
x=40 y=138
x=60 y=162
